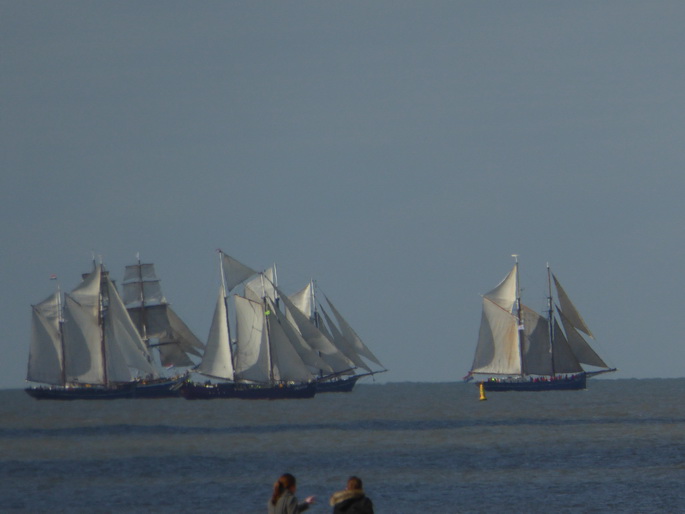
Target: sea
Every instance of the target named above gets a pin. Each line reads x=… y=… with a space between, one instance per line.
x=618 y=446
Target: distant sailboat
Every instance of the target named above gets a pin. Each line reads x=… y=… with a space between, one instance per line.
x=88 y=347
x=521 y=350
x=265 y=362
x=157 y=323
x=337 y=343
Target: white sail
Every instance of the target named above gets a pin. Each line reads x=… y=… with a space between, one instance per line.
x=45 y=354
x=126 y=351
x=497 y=351
x=141 y=286
x=235 y=271
x=505 y=293
x=216 y=361
x=252 y=361
x=570 y=311
x=341 y=343
x=287 y=364
x=351 y=336
x=303 y=300
x=83 y=344
x=581 y=349
x=333 y=359
x=262 y=286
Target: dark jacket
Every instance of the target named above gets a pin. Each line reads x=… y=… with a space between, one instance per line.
x=351 y=502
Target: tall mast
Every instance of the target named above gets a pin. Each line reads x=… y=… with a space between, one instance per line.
x=101 y=317
x=143 y=314
x=550 y=317
x=60 y=325
x=268 y=339
x=518 y=314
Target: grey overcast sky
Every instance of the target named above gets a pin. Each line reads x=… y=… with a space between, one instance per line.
x=398 y=152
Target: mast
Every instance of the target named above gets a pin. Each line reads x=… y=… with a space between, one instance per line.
x=143 y=313
x=101 y=321
x=60 y=325
x=268 y=341
x=521 y=335
x=550 y=317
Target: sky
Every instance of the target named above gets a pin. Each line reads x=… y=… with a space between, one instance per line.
x=397 y=152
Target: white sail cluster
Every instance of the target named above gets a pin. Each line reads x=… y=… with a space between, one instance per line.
x=516 y=340
x=276 y=338
x=90 y=339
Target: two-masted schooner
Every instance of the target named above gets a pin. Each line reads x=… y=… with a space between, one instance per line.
x=521 y=350
x=85 y=346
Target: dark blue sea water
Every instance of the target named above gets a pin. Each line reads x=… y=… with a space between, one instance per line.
x=430 y=448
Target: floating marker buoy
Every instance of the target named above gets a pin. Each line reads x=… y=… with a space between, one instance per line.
x=481 y=386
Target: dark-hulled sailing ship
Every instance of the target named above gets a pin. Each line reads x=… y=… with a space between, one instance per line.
x=521 y=350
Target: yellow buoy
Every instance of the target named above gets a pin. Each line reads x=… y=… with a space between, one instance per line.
x=481 y=386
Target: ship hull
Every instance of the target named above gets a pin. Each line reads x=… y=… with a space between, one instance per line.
x=572 y=383
x=192 y=391
x=343 y=385
x=162 y=388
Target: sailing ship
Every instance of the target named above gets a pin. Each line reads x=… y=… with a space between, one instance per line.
x=337 y=343
x=163 y=331
x=87 y=347
x=267 y=359
x=521 y=350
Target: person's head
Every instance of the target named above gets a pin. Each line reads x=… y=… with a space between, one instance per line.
x=354 y=483
x=285 y=482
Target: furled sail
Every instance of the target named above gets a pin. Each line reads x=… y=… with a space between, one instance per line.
x=45 y=354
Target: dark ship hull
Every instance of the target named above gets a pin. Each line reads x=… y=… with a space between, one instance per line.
x=192 y=391
x=340 y=385
x=160 y=388
x=569 y=383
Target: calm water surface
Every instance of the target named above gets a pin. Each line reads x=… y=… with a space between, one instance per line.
x=431 y=448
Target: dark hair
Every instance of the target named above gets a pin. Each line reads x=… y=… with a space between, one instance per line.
x=286 y=481
x=354 y=483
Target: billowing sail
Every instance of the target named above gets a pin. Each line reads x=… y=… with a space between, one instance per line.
x=334 y=360
x=497 y=351
x=141 y=286
x=262 y=286
x=287 y=364
x=217 y=361
x=45 y=354
x=235 y=271
x=127 y=355
x=570 y=311
x=341 y=343
x=505 y=293
x=252 y=361
x=83 y=344
x=303 y=300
